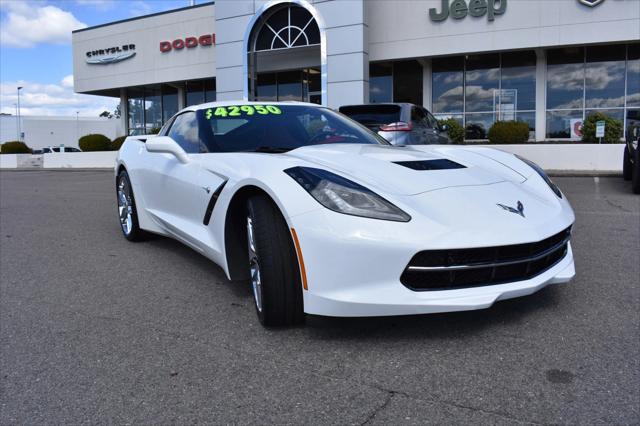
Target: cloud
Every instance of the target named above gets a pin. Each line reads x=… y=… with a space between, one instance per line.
x=26 y=24
x=67 y=81
x=98 y=4
x=52 y=99
x=140 y=8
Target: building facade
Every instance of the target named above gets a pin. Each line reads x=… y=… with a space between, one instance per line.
x=549 y=63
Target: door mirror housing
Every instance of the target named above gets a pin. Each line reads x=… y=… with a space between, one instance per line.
x=444 y=127
x=164 y=144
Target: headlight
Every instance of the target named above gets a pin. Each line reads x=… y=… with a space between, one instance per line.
x=543 y=175
x=344 y=196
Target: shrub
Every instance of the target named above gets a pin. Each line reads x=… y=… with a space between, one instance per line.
x=154 y=131
x=504 y=132
x=14 y=147
x=454 y=130
x=612 y=130
x=94 y=143
x=117 y=143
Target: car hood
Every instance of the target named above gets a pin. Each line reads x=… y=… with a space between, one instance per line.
x=376 y=166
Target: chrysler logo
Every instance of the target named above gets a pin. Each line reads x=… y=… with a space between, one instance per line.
x=518 y=210
x=591 y=3
x=111 y=55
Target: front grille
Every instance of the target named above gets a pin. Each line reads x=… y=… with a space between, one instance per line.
x=463 y=268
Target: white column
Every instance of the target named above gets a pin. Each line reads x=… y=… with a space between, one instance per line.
x=124 y=113
x=181 y=97
x=426 y=82
x=541 y=95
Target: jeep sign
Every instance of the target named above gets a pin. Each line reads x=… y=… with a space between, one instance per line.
x=459 y=9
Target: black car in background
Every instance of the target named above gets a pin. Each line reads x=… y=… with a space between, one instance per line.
x=399 y=123
x=631 y=160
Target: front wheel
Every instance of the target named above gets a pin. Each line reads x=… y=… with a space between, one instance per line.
x=273 y=265
x=627 y=167
x=127 y=212
x=635 y=178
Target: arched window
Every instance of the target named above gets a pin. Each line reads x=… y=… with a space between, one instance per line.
x=287 y=27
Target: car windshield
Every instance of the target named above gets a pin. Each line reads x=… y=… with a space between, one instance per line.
x=373 y=115
x=277 y=128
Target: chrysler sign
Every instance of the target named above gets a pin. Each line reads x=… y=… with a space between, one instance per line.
x=111 y=55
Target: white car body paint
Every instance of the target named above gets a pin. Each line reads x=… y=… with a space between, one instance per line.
x=353 y=264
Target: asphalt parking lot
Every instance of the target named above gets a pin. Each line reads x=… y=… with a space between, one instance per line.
x=94 y=329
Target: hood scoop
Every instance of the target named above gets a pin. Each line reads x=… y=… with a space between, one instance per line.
x=438 y=164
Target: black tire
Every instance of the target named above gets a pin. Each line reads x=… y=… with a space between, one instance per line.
x=131 y=231
x=627 y=170
x=280 y=288
x=635 y=178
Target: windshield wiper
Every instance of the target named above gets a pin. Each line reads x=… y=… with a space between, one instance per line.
x=272 y=149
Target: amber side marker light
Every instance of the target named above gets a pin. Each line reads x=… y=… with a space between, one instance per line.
x=303 y=272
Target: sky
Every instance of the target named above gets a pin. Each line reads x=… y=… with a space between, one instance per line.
x=35 y=51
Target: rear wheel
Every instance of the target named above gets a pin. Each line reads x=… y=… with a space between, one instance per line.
x=127 y=212
x=627 y=170
x=635 y=178
x=273 y=265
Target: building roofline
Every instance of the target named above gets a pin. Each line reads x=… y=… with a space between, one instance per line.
x=135 y=18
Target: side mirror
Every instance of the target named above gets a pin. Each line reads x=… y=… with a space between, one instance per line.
x=444 y=127
x=164 y=144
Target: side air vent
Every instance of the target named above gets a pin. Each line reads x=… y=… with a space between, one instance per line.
x=439 y=164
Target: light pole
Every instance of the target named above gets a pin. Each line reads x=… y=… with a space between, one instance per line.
x=77 y=128
x=19 y=124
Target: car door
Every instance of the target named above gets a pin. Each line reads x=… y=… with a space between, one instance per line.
x=179 y=193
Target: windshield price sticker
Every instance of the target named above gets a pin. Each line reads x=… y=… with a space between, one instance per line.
x=242 y=110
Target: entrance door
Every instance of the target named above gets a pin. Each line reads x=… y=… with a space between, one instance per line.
x=298 y=85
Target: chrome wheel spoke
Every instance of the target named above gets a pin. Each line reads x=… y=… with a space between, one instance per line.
x=254 y=266
x=125 y=208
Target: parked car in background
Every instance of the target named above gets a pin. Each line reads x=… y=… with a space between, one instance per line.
x=631 y=159
x=399 y=123
x=50 y=149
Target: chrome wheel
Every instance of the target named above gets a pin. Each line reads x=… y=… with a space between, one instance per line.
x=254 y=266
x=125 y=207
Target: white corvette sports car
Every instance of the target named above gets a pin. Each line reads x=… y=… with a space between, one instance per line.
x=324 y=217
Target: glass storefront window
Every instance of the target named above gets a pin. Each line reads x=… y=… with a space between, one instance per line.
x=482 y=81
x=381 y=82
x=169 y=102
x=135 y=106
x=565 y=78
x=633 y=75
x=290 y=86
x=152 y=109
x=447 y=85
x=195 y=93
x=267 y=87
x=210 y=90
x=518 y=75
x=407 y=82
x=604 y=76
x=560 y=123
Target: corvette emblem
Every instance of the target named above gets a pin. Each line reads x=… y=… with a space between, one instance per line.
x=591 y=3
x=518 y=210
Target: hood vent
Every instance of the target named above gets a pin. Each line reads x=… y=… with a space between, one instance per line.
x=439 y=164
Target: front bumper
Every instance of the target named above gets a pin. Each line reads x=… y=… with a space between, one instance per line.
x=354 y=266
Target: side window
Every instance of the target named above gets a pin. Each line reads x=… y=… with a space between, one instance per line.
x=184 y=131
x=165 y=128
x=433 y=122
x=418 y=117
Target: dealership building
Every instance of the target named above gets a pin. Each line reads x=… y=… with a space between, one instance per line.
x=549 y=63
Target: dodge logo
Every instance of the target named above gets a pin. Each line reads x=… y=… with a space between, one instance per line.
x=591 y=3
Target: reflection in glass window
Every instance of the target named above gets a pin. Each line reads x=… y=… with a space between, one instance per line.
x=560 y=123
x=152 y=109
x=447 y=85
x=633 y=75
x=482 y=81
x=290 y=86
x=519 y=76
x=380 y=82
x=169 y=102
x=604 y=76
x=136 y=111
x=565 y=78
x=478 y=125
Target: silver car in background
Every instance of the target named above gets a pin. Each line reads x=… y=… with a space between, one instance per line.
x=399 y=123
